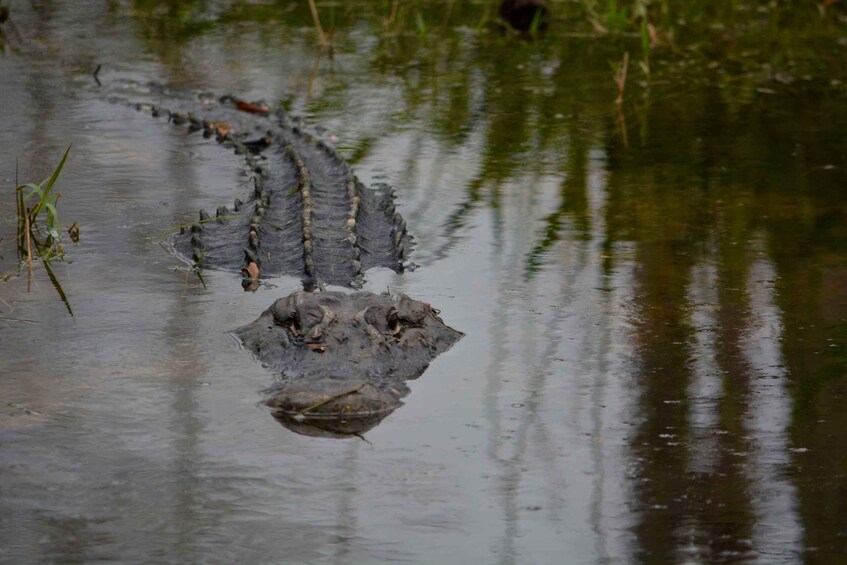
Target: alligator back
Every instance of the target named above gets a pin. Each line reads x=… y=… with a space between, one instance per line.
x=308 y=215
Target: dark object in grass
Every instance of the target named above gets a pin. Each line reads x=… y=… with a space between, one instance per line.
x=525 y=15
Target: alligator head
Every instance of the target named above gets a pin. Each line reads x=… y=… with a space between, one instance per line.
x=342 y=359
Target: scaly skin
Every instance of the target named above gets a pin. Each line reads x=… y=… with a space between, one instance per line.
x=308 y=216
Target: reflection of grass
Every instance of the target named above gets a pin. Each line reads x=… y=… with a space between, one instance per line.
x=39 y=230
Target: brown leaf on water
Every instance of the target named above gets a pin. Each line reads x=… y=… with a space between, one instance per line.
x=251 y=270
x=252 y=108
x=251 y=277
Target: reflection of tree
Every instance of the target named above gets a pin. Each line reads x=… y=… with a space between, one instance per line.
x=700 y=187
x=573 y=205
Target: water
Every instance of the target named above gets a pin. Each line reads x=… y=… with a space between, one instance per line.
x=654 y=366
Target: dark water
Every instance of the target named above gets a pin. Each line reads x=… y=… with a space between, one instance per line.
x=654 y=301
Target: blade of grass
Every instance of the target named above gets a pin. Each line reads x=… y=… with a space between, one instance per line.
x=19 y=205
x=420 y=24
x=50 y=182
x=52 y=216
x=535 y=25
x=21 y=223
x=28 y=256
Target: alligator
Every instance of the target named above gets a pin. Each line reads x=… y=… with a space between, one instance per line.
x=340 y=359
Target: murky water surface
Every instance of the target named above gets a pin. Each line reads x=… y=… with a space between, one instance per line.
x=654 y=303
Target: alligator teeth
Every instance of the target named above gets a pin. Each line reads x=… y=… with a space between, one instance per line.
x=195 y=240
x=254 y=240
x=222 y=211
x=251 y=256
x=204 y=215
x=196 y=228
x=237 y=204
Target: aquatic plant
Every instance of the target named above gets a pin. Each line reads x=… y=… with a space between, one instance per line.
x=35 y=201
x=39 y=231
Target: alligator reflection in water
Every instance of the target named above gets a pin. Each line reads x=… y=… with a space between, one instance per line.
x=341 y=359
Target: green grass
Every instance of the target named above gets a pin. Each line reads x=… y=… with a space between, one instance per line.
x=39 y=230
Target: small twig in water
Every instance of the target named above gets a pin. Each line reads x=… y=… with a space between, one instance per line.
x=317 y=405
x=321 y=37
